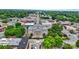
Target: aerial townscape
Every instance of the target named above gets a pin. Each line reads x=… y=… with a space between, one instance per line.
x=39 y=29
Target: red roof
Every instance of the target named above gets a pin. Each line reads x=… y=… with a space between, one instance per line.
x=26 y=21
x=1 y=29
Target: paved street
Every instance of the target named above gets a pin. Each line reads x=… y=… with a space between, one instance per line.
x=23 y=43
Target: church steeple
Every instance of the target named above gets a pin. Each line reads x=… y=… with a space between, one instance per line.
x=38 y=18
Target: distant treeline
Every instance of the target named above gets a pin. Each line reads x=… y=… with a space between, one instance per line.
x=9 y=13
x=72 y=16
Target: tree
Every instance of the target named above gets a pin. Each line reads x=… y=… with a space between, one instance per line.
x=67 y=46
x=77 y=43
x=5 y=21
x=48 y=42
x=3 y=16
x=17 y=24
x=58 y=41
x=6 y=13
x=17 y=31
x=64 y=15
x=9 y=32
x=10 y=27
x=14 y=32
x=22 y=30
x=56 y=28
x=44 y=17
x=61 y=17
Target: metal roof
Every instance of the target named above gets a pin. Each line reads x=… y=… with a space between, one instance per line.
x=10 y=41
x=37 y=27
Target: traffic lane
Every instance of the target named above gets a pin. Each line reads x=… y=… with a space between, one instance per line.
x=23 y=43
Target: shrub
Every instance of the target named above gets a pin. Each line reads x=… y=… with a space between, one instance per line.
x=5 y=47
x=65 y=38
x=67 y=46
x=77 y=43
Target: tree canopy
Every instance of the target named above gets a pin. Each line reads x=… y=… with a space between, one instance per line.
x=72 y=16
x=54 y=38
x=56 y=29
x=17 y=31
x=50 y=42
x=10 y=13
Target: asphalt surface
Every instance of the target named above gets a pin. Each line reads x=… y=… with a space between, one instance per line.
x=23 y=43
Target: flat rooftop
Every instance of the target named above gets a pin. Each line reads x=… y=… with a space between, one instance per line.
x=10 y=41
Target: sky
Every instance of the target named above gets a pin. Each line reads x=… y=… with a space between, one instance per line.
x=39 y=4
